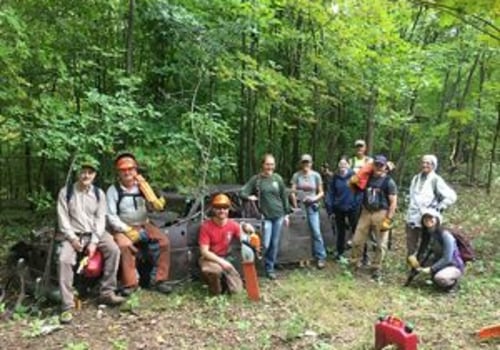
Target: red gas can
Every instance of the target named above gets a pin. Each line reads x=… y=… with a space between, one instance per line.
x=391 y=330
x=94 y=265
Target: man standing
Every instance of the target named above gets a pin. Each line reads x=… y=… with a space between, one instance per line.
x=81 y=209
x=357 y=162
x=360 y=158
x=214 y=240
x=128 y=203
x=427 y=190
x=377 y=212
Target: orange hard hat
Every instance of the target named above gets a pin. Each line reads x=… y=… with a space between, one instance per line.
x=126 y=163
x=221 y=200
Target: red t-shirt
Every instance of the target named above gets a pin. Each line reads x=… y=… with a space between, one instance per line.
x=218 y=237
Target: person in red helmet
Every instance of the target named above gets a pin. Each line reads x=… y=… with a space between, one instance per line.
x=129 y=201
x=81 y=211
x=214 y=240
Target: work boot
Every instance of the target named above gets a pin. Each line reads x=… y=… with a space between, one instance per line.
x=162 y=286
x=66 y=317
x=127 y=291
x=321 y=264
x=271 y=275
x=111 y=299
x=376 y=276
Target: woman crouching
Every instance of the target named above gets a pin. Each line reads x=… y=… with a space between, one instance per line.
x=447 y=265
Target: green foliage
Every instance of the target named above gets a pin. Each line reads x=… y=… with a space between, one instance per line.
x=214 y=84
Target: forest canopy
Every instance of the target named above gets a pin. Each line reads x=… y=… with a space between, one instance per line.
x=202 y=88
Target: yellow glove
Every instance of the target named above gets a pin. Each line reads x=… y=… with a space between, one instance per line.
x=159 y=204
x=426 y=270
x=151 y=197
x=386 y=225
x=133 y=235
x=413 y=262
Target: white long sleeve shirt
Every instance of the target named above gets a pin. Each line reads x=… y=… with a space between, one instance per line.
x=428 y=191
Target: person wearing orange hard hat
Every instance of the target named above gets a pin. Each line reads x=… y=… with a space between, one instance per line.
x=214 y=240
x=129 y=201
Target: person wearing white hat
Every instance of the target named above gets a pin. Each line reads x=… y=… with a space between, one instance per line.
x=447 y=265
x=427 y=190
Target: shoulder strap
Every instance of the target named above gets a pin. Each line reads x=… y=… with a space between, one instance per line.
x=69 y=192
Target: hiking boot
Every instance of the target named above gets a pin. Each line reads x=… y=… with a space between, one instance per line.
x=453 y=289
x=376 y=276
x=66 y=317
x=128 y=291
x=271 y=275
x=321 y=264
x=162 y=286
x=111 y=299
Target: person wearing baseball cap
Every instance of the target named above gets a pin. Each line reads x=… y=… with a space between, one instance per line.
x=377 y=212
x=307 y=186
x=81 y=215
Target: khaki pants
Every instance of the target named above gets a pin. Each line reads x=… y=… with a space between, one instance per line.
x=369 y=219
x=158 y=249
x=447 y=277
x=413 y=236
x=67 y=259
x=213 y=273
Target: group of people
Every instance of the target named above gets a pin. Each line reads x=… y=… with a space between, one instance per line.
x=368 y=211
x=365 y=202
x=118 y=227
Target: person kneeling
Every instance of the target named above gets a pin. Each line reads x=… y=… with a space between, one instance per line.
x=215 y=238
x=447 y=265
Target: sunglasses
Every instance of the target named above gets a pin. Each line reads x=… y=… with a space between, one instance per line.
x=221 y=208
x=124 y=170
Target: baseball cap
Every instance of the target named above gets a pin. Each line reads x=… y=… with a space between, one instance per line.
x=306 y=158
x=380 y=159
x=360 y=143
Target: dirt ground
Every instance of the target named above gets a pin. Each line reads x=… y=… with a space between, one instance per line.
x=303 y=309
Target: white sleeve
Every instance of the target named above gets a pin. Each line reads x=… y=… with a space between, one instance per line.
x=447 y=194
x=114 y=221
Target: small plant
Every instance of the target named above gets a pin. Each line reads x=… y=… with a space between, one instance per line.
x=77 y=346
x=120 y=344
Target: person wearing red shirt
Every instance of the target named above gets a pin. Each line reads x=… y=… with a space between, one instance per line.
x=214 y=240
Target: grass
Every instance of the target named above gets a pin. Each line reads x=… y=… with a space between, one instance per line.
x=304 y=308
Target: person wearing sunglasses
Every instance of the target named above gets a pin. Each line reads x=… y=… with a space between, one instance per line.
x=128 y=202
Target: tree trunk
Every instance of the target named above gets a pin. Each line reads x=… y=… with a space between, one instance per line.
x=130 y=37
x=493 y=151
x=473 y=162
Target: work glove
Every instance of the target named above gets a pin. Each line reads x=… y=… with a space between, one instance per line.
x=254 y=241
x=426 y=270
x=386 y=224
x=137 y=235
x=413 y=262
x=353 y=183
x=159 y=204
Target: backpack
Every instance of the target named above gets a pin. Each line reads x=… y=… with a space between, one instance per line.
x=373 y=200
x=70 y=190
x=122 y=194
x=464 y=244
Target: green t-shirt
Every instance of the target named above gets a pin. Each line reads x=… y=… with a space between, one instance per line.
x=271 y=192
